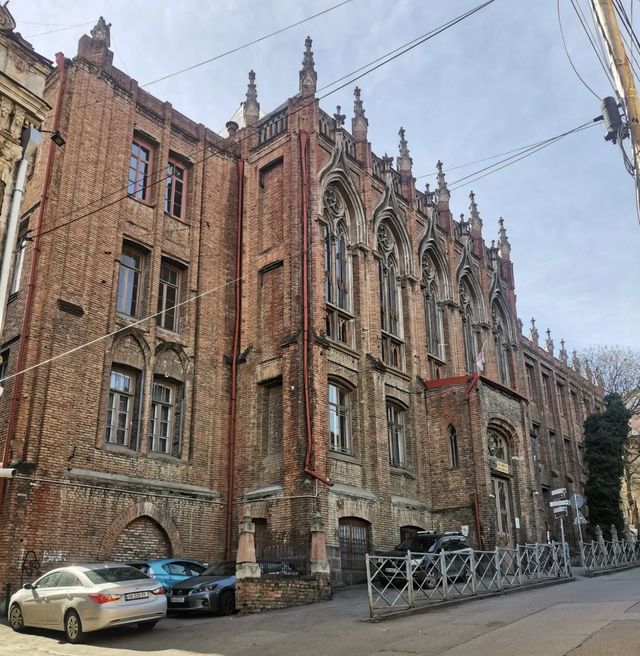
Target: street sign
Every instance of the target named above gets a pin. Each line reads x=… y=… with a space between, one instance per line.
x=558 y=503
x=580 y=518
x=557 y=492
x=562 y=511
x=577 y=500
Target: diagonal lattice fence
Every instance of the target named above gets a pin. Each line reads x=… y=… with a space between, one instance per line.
x=401 y=582
x=604 y=554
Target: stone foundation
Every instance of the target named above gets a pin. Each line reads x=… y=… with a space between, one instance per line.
x=254 y=595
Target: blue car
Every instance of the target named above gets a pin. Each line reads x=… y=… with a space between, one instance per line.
x=169 y=571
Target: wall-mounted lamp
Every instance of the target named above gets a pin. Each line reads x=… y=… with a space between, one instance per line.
x=492 y=496
x=56 y=137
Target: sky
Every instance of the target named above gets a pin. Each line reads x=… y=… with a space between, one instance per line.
x=496 y=81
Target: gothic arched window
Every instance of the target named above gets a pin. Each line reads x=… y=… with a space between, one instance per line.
x=469 y=311
x=454 y=460
x=431 y=290
x=337 y=272
x=390 y=298
x=501 y=336
x=498 y=447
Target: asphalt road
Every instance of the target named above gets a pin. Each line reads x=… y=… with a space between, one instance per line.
x=588 y=617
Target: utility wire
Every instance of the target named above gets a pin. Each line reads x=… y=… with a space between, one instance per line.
x=413 y=44
x=564 y=43
x=218 y=287
x=60 y=29
x=246 y=45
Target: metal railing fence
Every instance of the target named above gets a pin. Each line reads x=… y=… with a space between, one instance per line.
x=400 y=582
x=604 y=554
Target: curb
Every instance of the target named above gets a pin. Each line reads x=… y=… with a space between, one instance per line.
x=611 y=570
x=462 y=600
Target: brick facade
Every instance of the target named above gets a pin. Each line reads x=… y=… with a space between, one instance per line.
x=86 y=497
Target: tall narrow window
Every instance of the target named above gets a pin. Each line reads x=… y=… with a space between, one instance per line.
x=468 y=310
x=129 y=277
x=397 y=437
x=169 y=297
x=453 y=448
x=336 y=268
x=339 y=420
x=121 y=420
x=432 y=311
x=139 y=171
x=4 y=363
x=390 y=299
x=531 y=382
x=546 y=391
x=174 y=192
x=501 y=337
x=165 y=422
x=18 y=263
x=271 y=414
x=562 y=398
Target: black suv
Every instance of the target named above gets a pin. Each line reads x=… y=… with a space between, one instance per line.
x=425 y=548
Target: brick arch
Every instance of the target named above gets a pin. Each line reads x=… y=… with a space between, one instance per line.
x=504 y=427
x=133 y=512
x=354 y=508
x=408 y=517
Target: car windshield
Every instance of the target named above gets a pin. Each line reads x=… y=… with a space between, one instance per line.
x=418 y=543
x=221 y=569
x=115 y=575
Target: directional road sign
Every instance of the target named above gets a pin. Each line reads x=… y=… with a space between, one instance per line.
x=558 y=503
x=559 y=491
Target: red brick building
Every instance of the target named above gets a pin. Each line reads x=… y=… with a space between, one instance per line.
x=277 y=323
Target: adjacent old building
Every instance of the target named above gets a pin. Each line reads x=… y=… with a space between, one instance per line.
x=275 y=323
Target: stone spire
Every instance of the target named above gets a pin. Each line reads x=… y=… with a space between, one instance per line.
x=575 y=361
x=339 y=118
x=563 y=353
x=588 y=374
x=404 y=161
x=101 y=31
x=251 y=107
x=308 y=75
x=359 y=123
x=442 y=192
x=549 y=342
x=503 y=241
x=534 y=336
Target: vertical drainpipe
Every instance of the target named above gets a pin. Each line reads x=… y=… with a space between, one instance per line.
x=33 y=274
x=304 y=138
x=234 y=360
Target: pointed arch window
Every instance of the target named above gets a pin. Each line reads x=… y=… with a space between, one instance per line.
x=501 y=337
x=433 y=316
x=390 y=299
x=454 y=460
x=337 y=270
x=468 y=309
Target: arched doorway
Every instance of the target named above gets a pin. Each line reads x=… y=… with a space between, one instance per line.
x=355 y=542
x=499 y=452
x=141 y=539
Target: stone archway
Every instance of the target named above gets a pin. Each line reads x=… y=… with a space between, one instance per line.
x=141 y=539
x=141 y=521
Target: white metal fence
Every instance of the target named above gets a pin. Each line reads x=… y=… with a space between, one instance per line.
x=400 y=582
x=603 y=554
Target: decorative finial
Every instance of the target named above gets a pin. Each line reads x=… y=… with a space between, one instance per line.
x=588 y=374
x=503 y=241
x=404 y=160
x=534 y=336
x=575 y=361
x=359 y=122
x=476 y=221
x=251 y=107
x=387 y=162
x=308 y=75
x=101 y=31
x=339 y=117
x=563 y=353
x=442 y=184
x=358 y=108
x=549 y=342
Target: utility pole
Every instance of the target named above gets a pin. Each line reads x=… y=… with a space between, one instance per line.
x=622 y=72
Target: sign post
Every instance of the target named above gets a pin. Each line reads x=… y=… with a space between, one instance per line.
x=577 y=501
x=560 y=507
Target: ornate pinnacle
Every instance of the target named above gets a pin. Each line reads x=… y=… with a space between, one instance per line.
x=563 y=352
x=386 y=162
x=473 y=209
x=308 y=75
x=404 y=161
x=404 y=150
x=533 y=332
x=549 y=342
x=339 y=117
x=503 y=241
x=101 y=31
x=442 y=184
x=575 y=361
x=358 y=109
x=251 y=108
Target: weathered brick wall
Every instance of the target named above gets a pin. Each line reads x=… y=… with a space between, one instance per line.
x=271 y=592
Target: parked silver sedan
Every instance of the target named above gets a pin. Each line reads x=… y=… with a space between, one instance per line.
x=83 y=598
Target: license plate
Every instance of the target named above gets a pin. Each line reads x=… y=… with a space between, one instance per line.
x=177 y=600
x=136 y=595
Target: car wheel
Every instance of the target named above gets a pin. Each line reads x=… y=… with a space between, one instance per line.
x=227 y=604
x=432 y=579
x=147 y=626
x=16 y=620
x=73 y=627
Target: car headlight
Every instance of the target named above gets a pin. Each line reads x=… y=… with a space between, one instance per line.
x=205 y=588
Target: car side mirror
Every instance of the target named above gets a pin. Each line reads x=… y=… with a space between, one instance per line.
x=28 y=586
